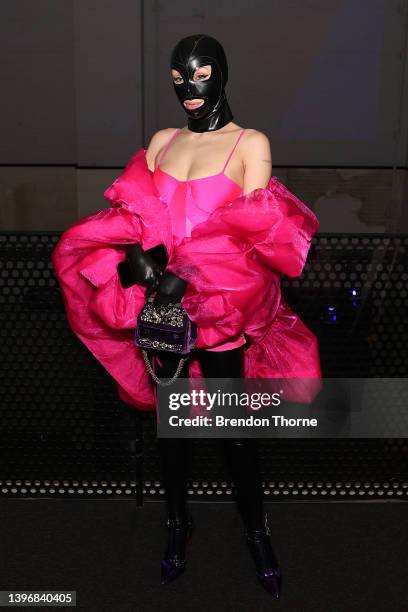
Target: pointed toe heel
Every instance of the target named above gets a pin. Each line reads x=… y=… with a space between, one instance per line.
x=179 y=534
x=171 y=569
x=272 y=582
x=267 y=566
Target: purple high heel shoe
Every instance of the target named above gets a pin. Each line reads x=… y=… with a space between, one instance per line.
x=267 y=567
x=178 y=536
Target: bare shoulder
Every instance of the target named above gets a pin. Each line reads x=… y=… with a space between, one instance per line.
x=257 y=160
x=256 y=142
x=161 y=136
x=157 y=142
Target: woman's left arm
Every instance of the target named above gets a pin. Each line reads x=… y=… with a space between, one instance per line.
x=257 y=161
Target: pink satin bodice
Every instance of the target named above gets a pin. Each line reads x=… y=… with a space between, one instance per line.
x=191 y=202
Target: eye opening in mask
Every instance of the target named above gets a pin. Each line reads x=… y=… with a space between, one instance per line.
x=201 y=73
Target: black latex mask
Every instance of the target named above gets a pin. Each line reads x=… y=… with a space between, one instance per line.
x=190 y=53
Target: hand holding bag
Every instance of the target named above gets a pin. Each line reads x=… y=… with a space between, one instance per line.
x=142 y=267
x=165 y=327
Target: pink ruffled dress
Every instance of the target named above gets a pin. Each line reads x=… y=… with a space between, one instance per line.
x=191 y=202
x=232 y=250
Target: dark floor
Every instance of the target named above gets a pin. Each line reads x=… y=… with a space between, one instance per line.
x=336 y=557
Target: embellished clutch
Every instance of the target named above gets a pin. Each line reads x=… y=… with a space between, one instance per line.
x=167 y=328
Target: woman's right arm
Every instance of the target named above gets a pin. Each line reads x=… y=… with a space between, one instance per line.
x=139 y=268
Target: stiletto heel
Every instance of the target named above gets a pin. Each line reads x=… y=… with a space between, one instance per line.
x=174 y=562
x=267 y=567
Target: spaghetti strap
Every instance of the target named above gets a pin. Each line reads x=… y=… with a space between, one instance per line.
x=233 y=149
x=176 y=131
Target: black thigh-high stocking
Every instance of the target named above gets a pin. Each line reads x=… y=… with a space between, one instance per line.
x=175 y=453
x=242 y=459
x=241 y=453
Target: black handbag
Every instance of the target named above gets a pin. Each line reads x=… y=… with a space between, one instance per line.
x=166 y=328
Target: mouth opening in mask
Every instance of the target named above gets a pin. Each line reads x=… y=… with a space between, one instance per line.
x=192 y=104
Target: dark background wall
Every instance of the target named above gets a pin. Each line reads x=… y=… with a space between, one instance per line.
x=86 y=83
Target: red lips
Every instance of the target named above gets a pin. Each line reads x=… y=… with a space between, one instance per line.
x=191 y=104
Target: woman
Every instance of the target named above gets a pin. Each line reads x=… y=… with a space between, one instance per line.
x=208 y=143
x=229 y=229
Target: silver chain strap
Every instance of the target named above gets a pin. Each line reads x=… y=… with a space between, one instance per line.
x=156 y=378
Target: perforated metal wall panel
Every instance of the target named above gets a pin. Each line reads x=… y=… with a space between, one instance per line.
x=64 y=432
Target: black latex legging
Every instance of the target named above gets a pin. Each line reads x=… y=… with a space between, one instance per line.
x=241 y=453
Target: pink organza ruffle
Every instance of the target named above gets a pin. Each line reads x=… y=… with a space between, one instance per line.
x=233 y=264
